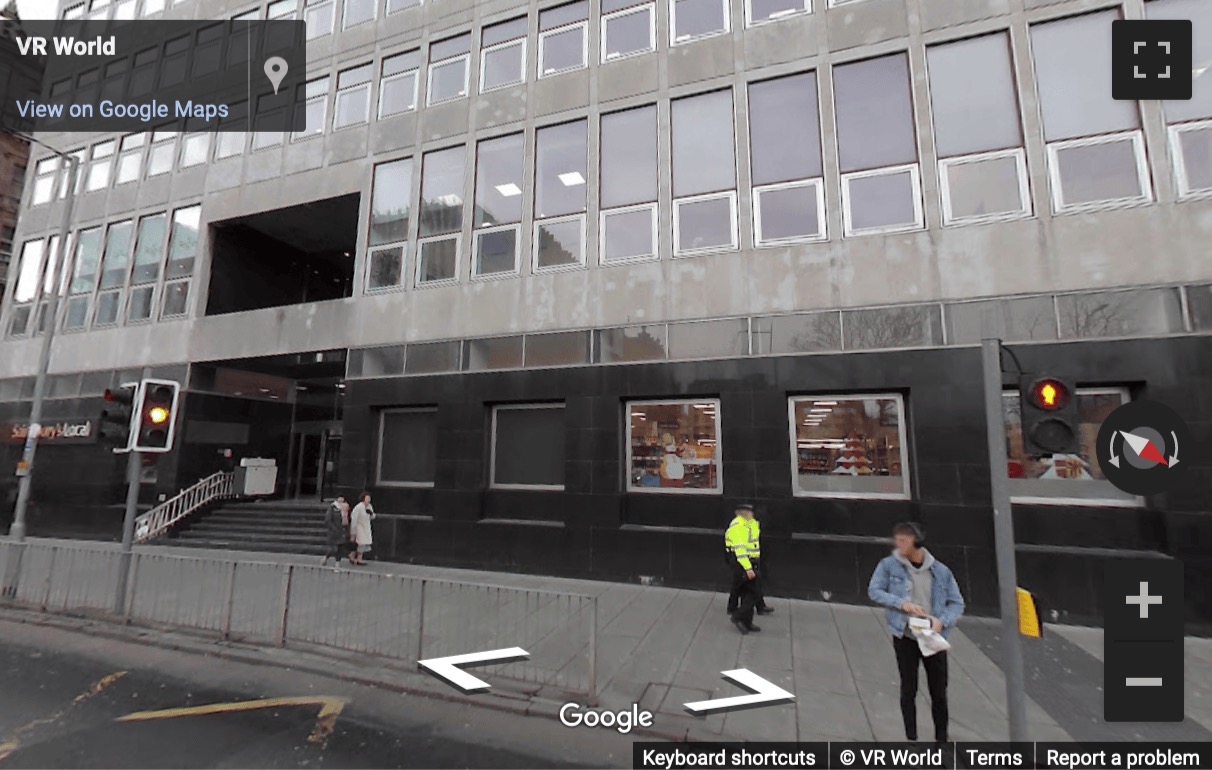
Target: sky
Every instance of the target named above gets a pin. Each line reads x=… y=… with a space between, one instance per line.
x=36 y=9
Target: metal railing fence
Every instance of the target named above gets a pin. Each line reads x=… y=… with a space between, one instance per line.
x=397 y=617
x=217 y=486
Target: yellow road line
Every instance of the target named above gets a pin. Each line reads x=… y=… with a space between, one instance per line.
x=330 y=706
x=95 y=688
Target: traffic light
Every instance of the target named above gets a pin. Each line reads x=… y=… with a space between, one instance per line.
x=115 y=423
x=1049 y=415
x=157 y=415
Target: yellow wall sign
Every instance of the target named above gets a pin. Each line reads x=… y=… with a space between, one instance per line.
x=1028 y=615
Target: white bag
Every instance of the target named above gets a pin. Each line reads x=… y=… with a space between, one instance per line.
x=929 y=642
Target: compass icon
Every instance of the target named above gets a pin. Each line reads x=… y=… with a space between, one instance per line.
x=1139 y=447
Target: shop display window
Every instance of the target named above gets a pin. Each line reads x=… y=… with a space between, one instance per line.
x=849 y=446
x=674 y=446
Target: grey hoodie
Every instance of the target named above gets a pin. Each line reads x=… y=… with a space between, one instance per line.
x=921 y=580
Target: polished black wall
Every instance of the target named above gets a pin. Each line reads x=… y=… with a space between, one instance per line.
x=817 y=548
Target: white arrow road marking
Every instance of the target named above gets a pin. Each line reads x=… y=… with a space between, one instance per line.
x=447 y=668
x=765 y=693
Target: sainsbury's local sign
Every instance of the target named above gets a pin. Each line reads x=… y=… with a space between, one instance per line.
x=82 y=431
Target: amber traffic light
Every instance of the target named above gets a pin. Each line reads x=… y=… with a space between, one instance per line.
x=1049 y=416
x=1049 y=394
x=156 y=419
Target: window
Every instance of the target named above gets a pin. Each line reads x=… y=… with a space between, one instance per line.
x=801 y=333
x=208 y=51
x=629 y=186
x=503 y=55
x=1096 y=151
x=674 y=446
x=101 y=162
x=982 y=163
x=315 y=105
x=1064 y=479
x=563 y=38
x=353 y=97
x=29 y=268
x=398 y=84
x=283 y=10
x=318 y=15
x=395 y=6
x=389 y=210
x=174 y=68
x=143 y=76
x=1134 y=313
x=632 y=343
x=182 y=251
x=704 y=174
x=130 y=158
x=762 y=11
x=46 y=172
x=785 y=156
x=847 y=446
x=441 y=215
x=561 y=158
x=195 y=149
x=84 y=277
x=492 y=353
x=557 y=349
x=160 y=157
x=498 y=205
x=1023 y=318
x=115 y=267
x=149 y=253
x=432 y=358
x=879 y=328
x=448 y=69
x=81 y=158
x=728 y=338
x=628 y=28
x=408 y=444
x=113 y=87
x=152 y=7
x=1190 y=122
x=73 y=12
x=877 y=147
x=694 y=19
x=528 y=447
x=230 y=140
x=358 y=12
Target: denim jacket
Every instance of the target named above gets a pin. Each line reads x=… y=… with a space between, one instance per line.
x=889 y=587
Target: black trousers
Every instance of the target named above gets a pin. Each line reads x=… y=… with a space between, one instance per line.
x=908 y=658
x=758 y=585
x=743 y=591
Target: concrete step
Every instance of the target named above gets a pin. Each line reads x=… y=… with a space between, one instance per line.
x=228 y=517
x=253 y=537
x=242 y=544
x=255 y=530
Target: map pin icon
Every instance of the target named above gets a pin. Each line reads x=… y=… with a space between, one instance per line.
x=275 y=70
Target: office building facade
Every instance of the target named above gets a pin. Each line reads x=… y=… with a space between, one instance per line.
x=561 y=283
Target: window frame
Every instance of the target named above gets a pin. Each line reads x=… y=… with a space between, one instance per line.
x=379 y=457
x=457 y=237
x=1024 y=187
x=416 y=87
x=673 y=25
x=580 y=217
x=374 y=15
x=919 y=223
x=655 y=256
x=678 y=251
x=463 y=93
x=629 y=404
x=517 y=249
x=650 y=9
x=1178 y=160
x=308 y=101
x=902 y=431
x=763 y=243
x=400 y=284
x=492 y=448
x=339 y=92
x=122 y=155
x=499 y=47
x=805 y=9
x=544 y=34
x=1056 y=190
x=1085 y=502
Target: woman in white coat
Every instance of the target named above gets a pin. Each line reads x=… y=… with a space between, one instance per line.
x=359 y=528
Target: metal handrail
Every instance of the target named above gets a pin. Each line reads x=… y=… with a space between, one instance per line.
x=217 y=486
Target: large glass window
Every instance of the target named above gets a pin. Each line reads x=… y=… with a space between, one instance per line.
x=1190 y=121
x=877 y=146
x=1096 y=151
x=130 y=159
x=628 y=28
x=674 y=446
x=498 y=205
x=182 y=252
x=848 y=446
x=195 y=149
x=398 y=84
x=503 y=55
x=352 y=106
x=101 y=162
x=162 y=153
x=84 y=277
x=704 y=173
x=982 y=163
x=315 y=106
x=441 y=216
x=408 y=443
x=1064 y=479
x=229 y=143
x=29 y=267
x=528 y=446
x=693 y=19
x=561 y=168
x=318 y=15
x=563 y=38
x=358 y=12
x=390 y=199
x=448 y=68
x=762 y=11
x=149 y=254
x=785 y=153
x=46 y=172
x=115 y=266
x=629 y=186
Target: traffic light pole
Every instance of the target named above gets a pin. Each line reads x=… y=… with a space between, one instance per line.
x=134 y=466
x=1003 y=534
x=26 y=468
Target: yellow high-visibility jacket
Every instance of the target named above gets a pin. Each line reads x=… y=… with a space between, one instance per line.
x=736 y=541
x=755 y=537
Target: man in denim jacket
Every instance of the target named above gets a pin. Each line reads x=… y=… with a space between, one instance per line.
x=912 y=583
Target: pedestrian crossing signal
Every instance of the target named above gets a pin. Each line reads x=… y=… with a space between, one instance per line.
x=1028 y=615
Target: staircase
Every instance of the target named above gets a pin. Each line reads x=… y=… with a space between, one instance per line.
x=278 y=527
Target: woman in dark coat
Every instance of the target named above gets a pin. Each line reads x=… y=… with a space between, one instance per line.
x=336 y=519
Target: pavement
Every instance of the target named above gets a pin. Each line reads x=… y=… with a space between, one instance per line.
x=661 y=647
